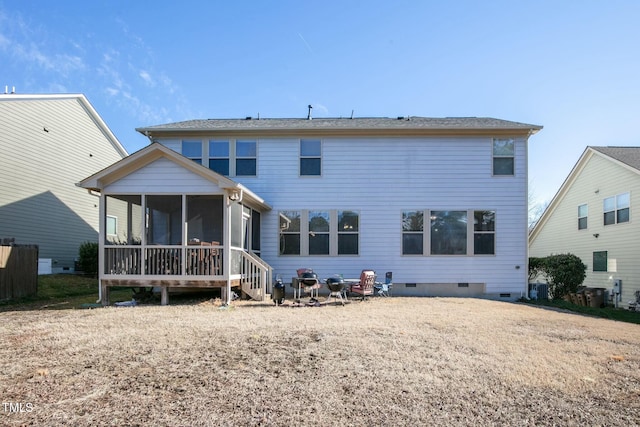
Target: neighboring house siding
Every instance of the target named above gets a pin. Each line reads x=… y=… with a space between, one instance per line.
x=598 y=179
x=39 y=202
x=381 y=177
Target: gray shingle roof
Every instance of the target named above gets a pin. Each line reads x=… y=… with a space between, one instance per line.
x=627 y=155
x=379 y=123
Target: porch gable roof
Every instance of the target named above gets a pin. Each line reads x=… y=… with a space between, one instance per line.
x=101 y=179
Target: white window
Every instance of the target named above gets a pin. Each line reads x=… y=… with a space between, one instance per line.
x=616 y=209
x=310 y=157
x=503 y=157
x=112 y=225
x=219 y=156
x=319 y=232
x=246 y=158
x=233 y=157
x=583 y=212
x=449 y=232
x=192 y=150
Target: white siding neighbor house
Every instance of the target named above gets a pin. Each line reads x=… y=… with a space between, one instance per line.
x=47 y=144
x=439 y=202
x=593 y=217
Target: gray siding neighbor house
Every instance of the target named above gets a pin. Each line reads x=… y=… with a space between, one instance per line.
x=439 y=202
x=48 y=143
x=593 y=216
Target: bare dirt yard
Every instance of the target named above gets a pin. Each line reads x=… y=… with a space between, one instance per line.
x=387 y=361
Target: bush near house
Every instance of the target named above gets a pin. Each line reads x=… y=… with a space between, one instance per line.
x=88 y=258
x=564 y=273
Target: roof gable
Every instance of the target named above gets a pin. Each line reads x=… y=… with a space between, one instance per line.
x=150 y=154
x=626 y=157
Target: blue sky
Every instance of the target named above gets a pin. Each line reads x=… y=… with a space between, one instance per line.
x=570 y=66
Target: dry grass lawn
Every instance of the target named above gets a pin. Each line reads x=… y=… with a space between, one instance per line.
x=387 y=361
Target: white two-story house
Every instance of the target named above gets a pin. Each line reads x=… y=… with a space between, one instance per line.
x=439 y=202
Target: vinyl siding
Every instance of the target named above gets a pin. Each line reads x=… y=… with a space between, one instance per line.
x=381 y=177
x=599 y=178
x=162 y=177
x=39 y=202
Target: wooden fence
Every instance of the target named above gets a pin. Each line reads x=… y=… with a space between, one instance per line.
x=18 y=271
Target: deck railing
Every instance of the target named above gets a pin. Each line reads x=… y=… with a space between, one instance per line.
x=163 y=260
x=255 y=274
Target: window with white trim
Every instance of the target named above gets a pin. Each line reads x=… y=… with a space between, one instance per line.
x=583 y=212
x=616 y=209
x=246 y=158
x=412 y=232
x=503 y=157
x=450 y=232
x=310 y=157
x=192 y=150
x=484 y=232
x=112 y=225
x=319 y=232
x=219 y=156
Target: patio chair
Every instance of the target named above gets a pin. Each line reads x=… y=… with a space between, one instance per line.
x=384 y=289
x=364 y=287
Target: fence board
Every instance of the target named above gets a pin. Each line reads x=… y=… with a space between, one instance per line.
x=18 y=271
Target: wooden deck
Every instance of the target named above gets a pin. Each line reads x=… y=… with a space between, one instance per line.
x=163 y=284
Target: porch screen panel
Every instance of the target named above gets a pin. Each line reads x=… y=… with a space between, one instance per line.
x=127 y=211
x=204 y=218
x=236 y=224
x=164 y=219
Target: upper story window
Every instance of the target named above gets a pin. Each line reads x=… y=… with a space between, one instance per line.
x=219 y=156
x=583 y=211
x=246 y=158
x=310 y=157
x=616 y=209
x=233 y=157
x=503 y=157
x=192 y=150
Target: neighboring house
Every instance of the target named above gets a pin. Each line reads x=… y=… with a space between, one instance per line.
x=595 y=216
x=47 y=144
x=441 y=203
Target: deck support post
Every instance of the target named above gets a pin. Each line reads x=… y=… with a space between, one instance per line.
x=104 y=294
x=164 y=295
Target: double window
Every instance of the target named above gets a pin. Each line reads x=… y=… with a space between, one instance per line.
x=449 y=232
x=503 y=157
x=616 y=209
x=319 y=232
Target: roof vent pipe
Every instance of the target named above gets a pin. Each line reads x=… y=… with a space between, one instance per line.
x=309 y=114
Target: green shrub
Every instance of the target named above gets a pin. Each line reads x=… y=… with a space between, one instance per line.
x=536 y=267
x=564 y=273
x=88 y=258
